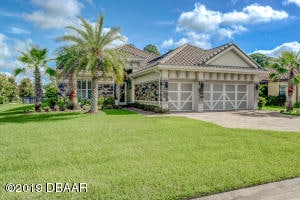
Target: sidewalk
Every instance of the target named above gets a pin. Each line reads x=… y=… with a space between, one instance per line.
x=283 y=190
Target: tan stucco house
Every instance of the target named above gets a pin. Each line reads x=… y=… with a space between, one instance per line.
x=187 y=78
x=280 y=86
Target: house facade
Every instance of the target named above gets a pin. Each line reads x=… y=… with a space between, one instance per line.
x=280 y=87
x=187 y=79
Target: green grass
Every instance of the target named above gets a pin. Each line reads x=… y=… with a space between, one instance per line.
x=124 y=155
x=295 y=112
x=274 y=108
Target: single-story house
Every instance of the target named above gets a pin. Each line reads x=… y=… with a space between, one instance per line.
x=187 y=78
x=280 y=86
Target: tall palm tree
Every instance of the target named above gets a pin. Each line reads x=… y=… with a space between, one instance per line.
x=35 y=59
x=289 y=63
x=101 y=60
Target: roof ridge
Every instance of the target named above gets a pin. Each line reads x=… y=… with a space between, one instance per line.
x=138 y=49
x=217 y=50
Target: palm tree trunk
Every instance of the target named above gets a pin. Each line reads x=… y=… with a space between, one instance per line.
x=73 y=91
x=289 y=106
x=94 y=103
x=38 y=89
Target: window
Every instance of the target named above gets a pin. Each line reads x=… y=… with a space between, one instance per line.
x=84 y=89
x=282 y=90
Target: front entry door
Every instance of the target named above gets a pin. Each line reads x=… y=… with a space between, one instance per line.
x=122 y=94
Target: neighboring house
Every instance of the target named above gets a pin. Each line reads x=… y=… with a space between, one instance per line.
x=280 y=86
x=185 y=79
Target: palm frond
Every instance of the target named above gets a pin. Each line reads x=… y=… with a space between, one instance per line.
x=50 y=71
x=19 y=71
x=88 y=28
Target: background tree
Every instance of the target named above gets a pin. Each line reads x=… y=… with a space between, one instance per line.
x=8 y=89
x=101 y=60
x=26 y=88
x=288 y=62
x=35 y=59
x=152 y=49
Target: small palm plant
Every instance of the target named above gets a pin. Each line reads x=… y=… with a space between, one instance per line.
x=102 y=60
x=35 y=59
x=288 y=63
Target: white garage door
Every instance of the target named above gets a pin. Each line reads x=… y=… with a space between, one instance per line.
x=180 y=96
x=225 y=96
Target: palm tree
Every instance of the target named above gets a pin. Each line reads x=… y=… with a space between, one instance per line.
x=95 y=46
x=70 y=62
x=288 y=63
x=35 y=59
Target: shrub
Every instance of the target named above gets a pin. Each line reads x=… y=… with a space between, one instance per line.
x=84 y=102
x=2 y=99
x=63 y=103
x=263 y=91
x=51 y=95
x=297 y=105
x=106 y=103
x=147 y=107
x=276 y=100
x=261 y=102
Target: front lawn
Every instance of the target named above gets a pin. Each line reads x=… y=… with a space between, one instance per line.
x=123 y=155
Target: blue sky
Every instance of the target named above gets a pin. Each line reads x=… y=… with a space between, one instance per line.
x=262 y=26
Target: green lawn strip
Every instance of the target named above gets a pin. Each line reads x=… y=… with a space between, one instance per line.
x=123 y=155
x=295 y=112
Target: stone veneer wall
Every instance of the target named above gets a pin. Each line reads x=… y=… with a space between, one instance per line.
x=106 y=90
x=149 y=92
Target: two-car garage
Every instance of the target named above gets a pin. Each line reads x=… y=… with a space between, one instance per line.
x=217 y=96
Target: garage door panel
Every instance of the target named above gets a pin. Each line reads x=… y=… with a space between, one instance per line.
x=173 y=96
x=242 y=88
x=171 y=106
x=230 y=88
x=180 y=96
x=218 y=88
x=186 y=87
x=173 y=86
x=241 y=96
x=225 y=96
x=242 y=105
x=185 y=96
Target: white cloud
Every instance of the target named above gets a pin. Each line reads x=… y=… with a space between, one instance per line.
x=116 y=42
x=167 y=43
x=200 y=40
x=201 y=25
x=17 y=30
x=202 y=19
x=53 y=14
x=5 y=52
x=297 y=2
x=289 y=46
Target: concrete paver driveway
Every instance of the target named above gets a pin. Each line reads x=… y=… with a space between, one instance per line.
x=267 y=120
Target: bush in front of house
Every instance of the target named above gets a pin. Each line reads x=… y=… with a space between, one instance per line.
x=147 y=107
x=84 y=102
x=297 y=105
x=63 y=103
x=51 y=95
x=276 y=100
x=106 y=103
x=261 y=102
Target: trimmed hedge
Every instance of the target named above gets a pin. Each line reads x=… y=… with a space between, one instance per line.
x=146 y=107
